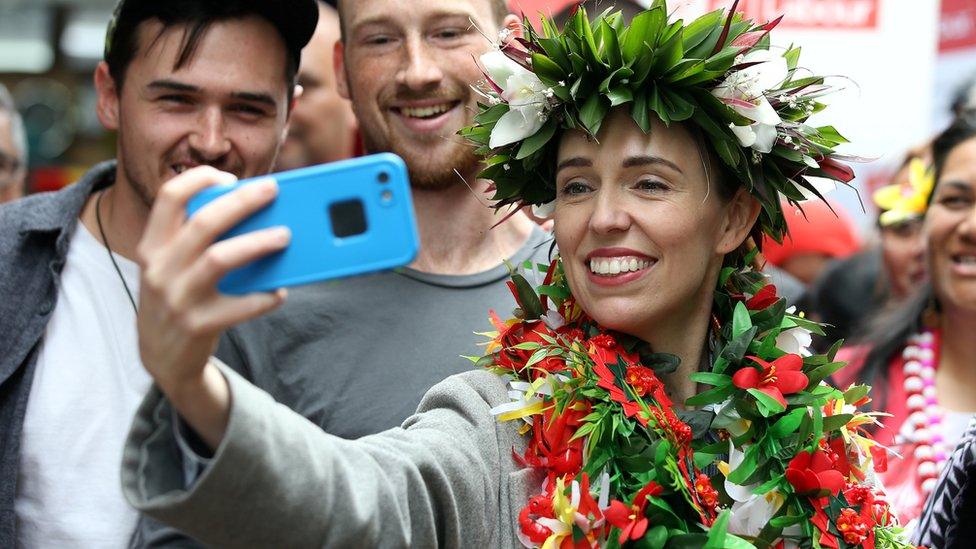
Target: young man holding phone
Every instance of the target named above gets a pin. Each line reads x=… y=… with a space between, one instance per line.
x=184 y=83
x=356 y=355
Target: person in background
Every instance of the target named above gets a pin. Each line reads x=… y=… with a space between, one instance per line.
x=964 y=100
x=184 y=83
x=818 y=234
x=902 y=206
x=323 y=127
x=920 y=357
x=853 y=291
x=13 y=149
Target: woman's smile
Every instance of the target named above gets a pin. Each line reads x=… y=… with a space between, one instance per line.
x=617 y=266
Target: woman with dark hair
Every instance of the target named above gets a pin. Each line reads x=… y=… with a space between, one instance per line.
x=653 y=392
x=921 y=356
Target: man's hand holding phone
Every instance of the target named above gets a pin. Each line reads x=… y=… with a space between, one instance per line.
x=181 y=311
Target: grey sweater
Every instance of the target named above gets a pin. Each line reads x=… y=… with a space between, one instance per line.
x=446 y=478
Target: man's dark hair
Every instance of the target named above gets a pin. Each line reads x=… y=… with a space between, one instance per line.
x=197 y=16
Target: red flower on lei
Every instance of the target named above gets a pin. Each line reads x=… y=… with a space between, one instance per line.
x=763 y=298
x=813 y=473
x=524 y=332
x=630 y=519
x=604 y=349
x=781 y=377
x=551 y=446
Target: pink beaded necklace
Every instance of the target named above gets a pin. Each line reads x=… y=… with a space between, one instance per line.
x=923 y=428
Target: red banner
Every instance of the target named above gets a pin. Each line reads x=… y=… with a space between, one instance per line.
x=957 y=25
x=812 y=14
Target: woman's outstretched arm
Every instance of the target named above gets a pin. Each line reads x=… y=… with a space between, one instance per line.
x=277 y=480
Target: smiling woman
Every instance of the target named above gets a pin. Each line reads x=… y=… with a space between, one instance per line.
x=652 y=390
x=630 y=197
x=921 y=355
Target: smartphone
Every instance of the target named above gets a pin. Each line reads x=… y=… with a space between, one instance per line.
x=346 y=218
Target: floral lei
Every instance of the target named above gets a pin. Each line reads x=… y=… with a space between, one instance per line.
x=769 y=456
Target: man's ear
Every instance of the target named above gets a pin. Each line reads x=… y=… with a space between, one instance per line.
x=107 y=107
x=339 y=64
x=740 y=216
x=295 y=96
x=299 y=90
x=514 y=25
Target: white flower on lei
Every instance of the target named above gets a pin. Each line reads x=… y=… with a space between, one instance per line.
x=750 y=512
x=526 y=95
x=745 y=91
x=726 y=417
x=796 y=341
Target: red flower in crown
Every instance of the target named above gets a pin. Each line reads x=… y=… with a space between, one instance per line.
x=781 y=377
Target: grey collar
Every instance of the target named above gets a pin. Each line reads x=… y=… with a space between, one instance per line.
x=61 y=211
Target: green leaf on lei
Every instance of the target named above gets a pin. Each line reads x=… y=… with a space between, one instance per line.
x=528 y=299
x=768 y=406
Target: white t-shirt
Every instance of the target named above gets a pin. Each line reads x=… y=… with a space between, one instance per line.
x=88 y=383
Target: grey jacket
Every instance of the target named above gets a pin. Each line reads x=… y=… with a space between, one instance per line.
x=34 y=236
x=446 y=478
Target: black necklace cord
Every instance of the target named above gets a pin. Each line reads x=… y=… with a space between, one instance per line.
x=108 y=248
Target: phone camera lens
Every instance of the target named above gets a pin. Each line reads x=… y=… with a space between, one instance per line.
x=383 y=177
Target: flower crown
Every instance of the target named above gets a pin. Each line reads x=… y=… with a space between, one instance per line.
x=902 y=202
x=717 y=73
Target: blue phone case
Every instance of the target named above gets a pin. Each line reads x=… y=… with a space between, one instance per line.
x=332 y=236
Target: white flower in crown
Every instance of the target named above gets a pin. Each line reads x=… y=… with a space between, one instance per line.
x=745 y=91
x=525 y=94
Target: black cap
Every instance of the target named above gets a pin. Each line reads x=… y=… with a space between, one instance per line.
x=294 y=19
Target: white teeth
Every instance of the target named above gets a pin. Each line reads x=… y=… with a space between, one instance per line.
x=425 y=112
x=616 y=265
x=179 y=169
x=966 y=259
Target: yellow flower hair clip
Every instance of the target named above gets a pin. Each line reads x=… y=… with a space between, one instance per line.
x=904 y=201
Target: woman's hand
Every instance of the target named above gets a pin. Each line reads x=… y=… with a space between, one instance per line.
x=181 y=312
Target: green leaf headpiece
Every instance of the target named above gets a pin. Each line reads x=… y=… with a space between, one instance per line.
x=717 y=73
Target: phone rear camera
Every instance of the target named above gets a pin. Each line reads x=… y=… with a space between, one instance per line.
x=348 y=218
x=383 y=177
